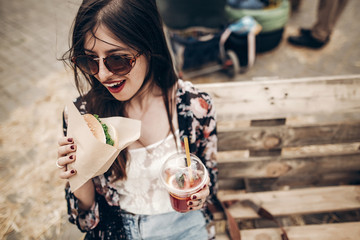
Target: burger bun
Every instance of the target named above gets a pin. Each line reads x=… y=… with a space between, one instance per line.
x=98 y=131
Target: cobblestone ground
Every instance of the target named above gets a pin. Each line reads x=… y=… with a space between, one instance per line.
x=34 y=88
x=34 y=33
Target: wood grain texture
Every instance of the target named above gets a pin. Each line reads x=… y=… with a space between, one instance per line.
x=285 y=98
x=297 y=201
x=335 y=231
x=264 y=167
x=257 y=138
x=281 y=134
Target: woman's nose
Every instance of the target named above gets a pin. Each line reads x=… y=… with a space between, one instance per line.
x=103 y=73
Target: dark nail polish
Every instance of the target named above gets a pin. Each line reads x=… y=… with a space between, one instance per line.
x=72 y=147
x=72 y=171
x=194 y=197
x=70 y=140
x=71 y=156
x=191 y=208
x=190 y=203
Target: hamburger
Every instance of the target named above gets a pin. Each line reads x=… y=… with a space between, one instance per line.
x=103 y=132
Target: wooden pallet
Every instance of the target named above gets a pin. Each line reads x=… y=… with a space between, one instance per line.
x=293 y=147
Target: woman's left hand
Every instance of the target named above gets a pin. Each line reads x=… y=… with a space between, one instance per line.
x=198 y=199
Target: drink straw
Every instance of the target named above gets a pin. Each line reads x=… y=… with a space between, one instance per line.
x=187 y=151
x=188 y=159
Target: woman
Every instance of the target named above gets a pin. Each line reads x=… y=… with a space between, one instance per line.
x=119 y=52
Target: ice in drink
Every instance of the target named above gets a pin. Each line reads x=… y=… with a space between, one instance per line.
x=182 y=181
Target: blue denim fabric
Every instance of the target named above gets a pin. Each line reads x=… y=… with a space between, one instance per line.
x=168 y=226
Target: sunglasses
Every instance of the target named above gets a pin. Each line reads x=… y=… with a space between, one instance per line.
x=117 y=64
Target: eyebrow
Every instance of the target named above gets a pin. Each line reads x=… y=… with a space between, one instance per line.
x=109 y=51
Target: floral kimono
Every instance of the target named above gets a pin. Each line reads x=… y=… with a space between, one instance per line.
x=196 y=118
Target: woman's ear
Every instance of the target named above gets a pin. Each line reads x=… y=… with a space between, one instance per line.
x=147 y=54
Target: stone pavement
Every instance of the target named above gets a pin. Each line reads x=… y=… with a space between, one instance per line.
x=34 y=33
x=34 y=87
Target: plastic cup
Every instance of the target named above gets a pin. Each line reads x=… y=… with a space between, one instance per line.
x=182 y=181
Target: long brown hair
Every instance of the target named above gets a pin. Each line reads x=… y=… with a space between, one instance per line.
x=137 y=24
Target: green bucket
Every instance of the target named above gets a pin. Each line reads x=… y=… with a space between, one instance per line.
x=270 y=19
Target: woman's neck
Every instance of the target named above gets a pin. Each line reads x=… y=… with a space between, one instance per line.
x=143 y=99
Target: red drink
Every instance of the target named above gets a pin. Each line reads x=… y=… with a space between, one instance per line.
x=182 y=181
x=179 y=203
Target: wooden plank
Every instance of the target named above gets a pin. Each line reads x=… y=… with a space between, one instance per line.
x=314 y=118
x=256 y=138
x=285 y=98
x=295 y=202
x=263 y=167
x=231 y=183
x=222 y=236
x=325 y=149
x=300 y=180
x=335 y=231
x=298 y=120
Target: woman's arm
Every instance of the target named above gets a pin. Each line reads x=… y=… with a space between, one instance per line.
x=67 y=154
x=82 y=207
x=86 y=195
x=206 y=140
x=198 y=119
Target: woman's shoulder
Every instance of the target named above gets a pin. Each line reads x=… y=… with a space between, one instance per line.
x=191 y=98
x=187 y=91
x=188 y=88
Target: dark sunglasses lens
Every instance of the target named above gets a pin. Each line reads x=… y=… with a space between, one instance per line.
x=87 y=64
x=119 y=64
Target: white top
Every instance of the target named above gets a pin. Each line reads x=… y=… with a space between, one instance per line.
x=143 y=192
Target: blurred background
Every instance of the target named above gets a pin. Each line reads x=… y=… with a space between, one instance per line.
x=34 y=87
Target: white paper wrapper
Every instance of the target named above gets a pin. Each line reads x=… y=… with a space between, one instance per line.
x=93 y=157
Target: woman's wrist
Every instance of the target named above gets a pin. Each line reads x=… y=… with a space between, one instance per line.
x=85 y=195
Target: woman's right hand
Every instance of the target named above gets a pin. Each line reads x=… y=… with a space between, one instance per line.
x=66 y=155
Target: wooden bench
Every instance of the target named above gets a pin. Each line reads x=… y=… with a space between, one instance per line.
x=293 y=147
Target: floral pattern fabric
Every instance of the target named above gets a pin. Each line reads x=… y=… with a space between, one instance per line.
x=196 y=119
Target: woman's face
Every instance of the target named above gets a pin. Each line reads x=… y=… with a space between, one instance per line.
x=122 y=87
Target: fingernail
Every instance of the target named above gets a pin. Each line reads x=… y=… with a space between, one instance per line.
x=72 y=147
x=190 y=203
x=194 y=197
x=70 y=140
x=71 y=156
x=72 y=171
x=190 y=208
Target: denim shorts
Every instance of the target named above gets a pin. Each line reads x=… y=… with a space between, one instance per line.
x=173 y=225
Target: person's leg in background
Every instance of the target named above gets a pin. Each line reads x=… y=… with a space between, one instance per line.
x=328 y=14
